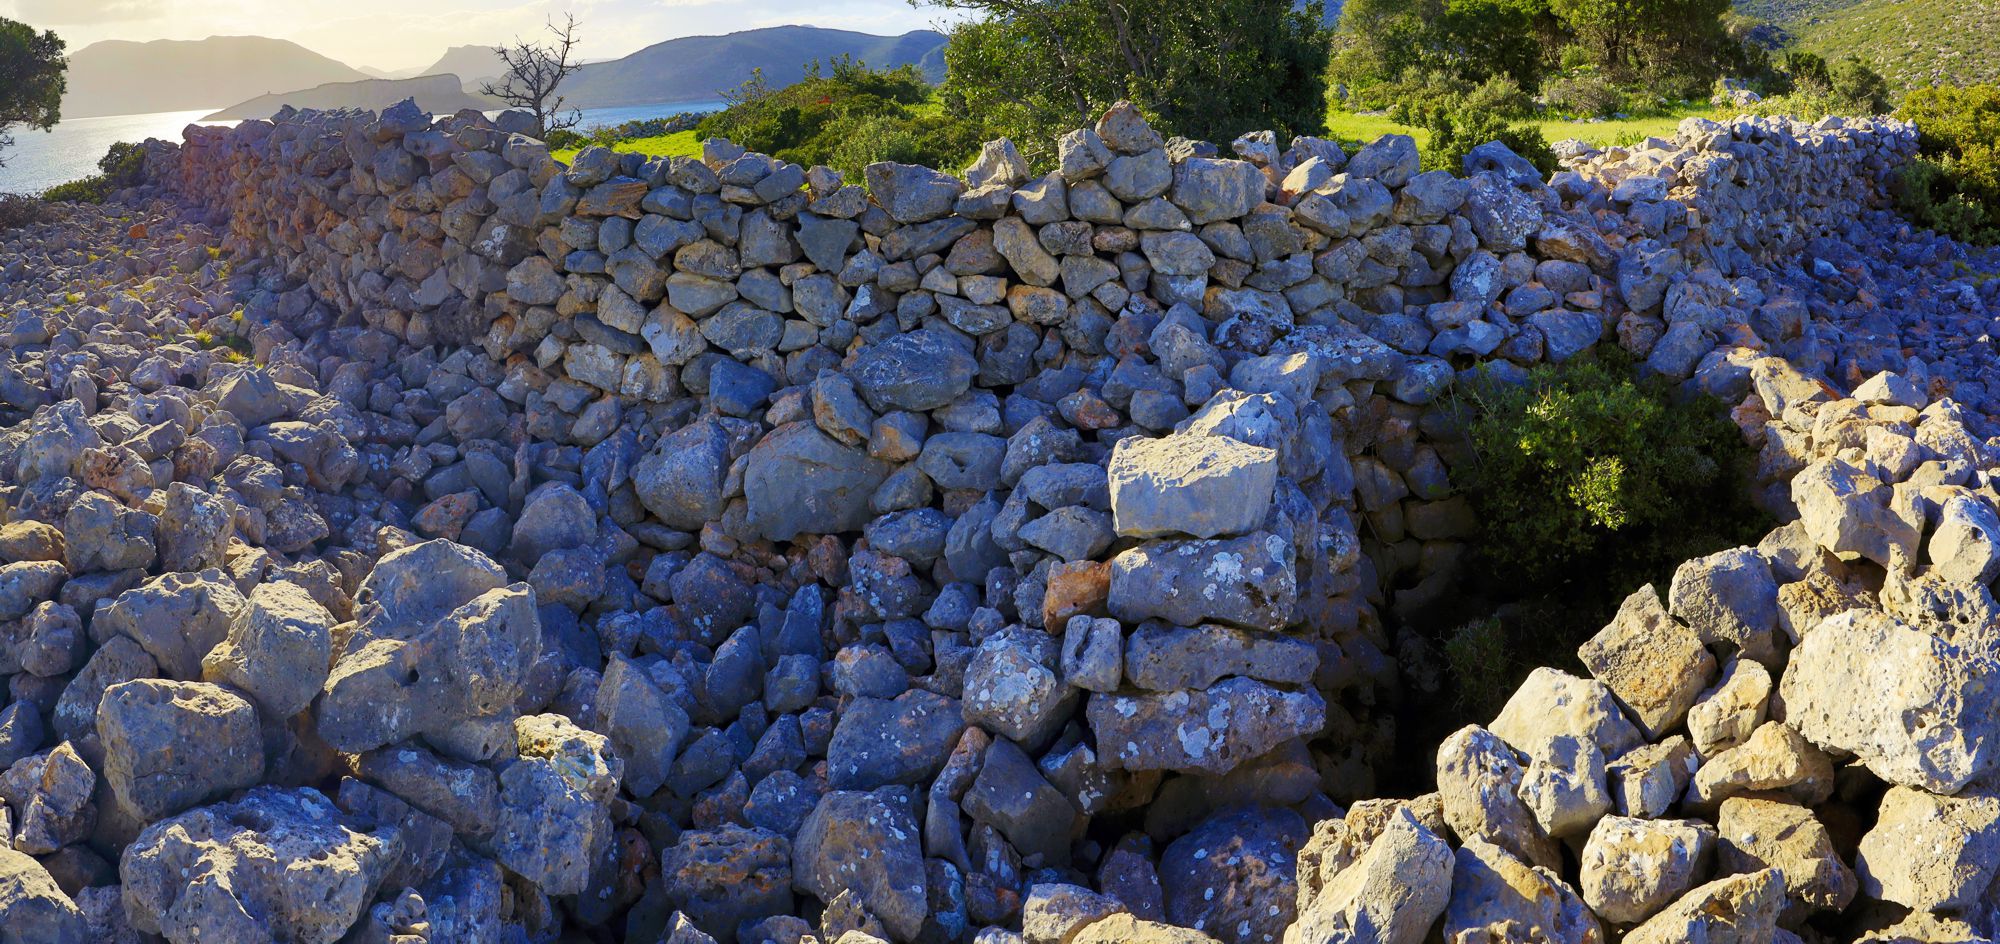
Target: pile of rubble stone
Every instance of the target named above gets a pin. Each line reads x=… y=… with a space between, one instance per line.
x=406 y=537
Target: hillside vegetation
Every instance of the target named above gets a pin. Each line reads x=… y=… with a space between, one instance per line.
x=1913 y=43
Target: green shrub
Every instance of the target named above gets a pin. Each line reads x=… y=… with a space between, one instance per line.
x=1583 y=96
x=1501 y=97
x=123 y=165
x=847 y=117
x=1455 y=134
x=1860 y=89
x=1954 y=187
x=1588 y=483
x=93 y=189
x=1585 y=472
x=565 y=139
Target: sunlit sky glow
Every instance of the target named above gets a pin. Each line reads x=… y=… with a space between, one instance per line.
x=403 y=34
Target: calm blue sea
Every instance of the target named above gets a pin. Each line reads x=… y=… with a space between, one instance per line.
x=40 y=160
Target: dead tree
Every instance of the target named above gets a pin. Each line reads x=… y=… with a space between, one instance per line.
x=534 y=70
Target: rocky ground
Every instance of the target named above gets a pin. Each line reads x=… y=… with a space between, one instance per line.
x=313 y=633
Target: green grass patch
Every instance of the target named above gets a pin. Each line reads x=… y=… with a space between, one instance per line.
x=678 y=144
x=1357 y=127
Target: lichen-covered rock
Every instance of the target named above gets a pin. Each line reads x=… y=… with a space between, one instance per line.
x=554 y=823
x=1495 y=896
x=1738 y=909
x=1205 y=486
x=275 y=865
x=1553 y=703
x=1774 y=757
x=1932 y=853
x=1653 y=665
x=471 y=662
x=171 y=745
x=1210 y=731
x=1247 y=581
x=905 y=740
x=725 y=876
x=51 y=797
x=1392 y=893
x=1479 y=782
x=1931 y=720
x=867 y=843
x=1763 y=834
x=178 y=618
x=1234 y=876
x=1730 y=598
x=1631 y=868
x=278 y=649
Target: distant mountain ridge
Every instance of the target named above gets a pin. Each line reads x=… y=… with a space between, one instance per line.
x=116 y=77
x=437 y=94
x=261 y=75
x=472 y=64
x=702 y=68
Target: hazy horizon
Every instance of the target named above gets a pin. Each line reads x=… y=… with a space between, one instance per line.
x=388 y=35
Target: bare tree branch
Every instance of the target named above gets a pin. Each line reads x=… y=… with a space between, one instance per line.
x=534 y=70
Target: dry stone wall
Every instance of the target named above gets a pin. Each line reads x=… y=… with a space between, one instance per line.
x=1123 y=289
x=1000 y=554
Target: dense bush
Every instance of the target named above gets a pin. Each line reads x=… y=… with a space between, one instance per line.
x=1454 y=134
x=847 y=117
x=1954 y=187
x=1585 y=472
x=1584 y=96
x=122 y=166
x=1805 y=86
x=1588 y=483
x=18 y=210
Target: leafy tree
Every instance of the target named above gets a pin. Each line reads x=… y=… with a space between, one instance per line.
x=32 y=79
x=1678 y=45
x=534 y=71
x=1469 y=40
x=1208 y=69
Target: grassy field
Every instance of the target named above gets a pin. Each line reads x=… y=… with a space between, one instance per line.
x=678 y=144
x=1352 y=126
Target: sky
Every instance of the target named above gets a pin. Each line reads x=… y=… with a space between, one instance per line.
x=399 y=34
